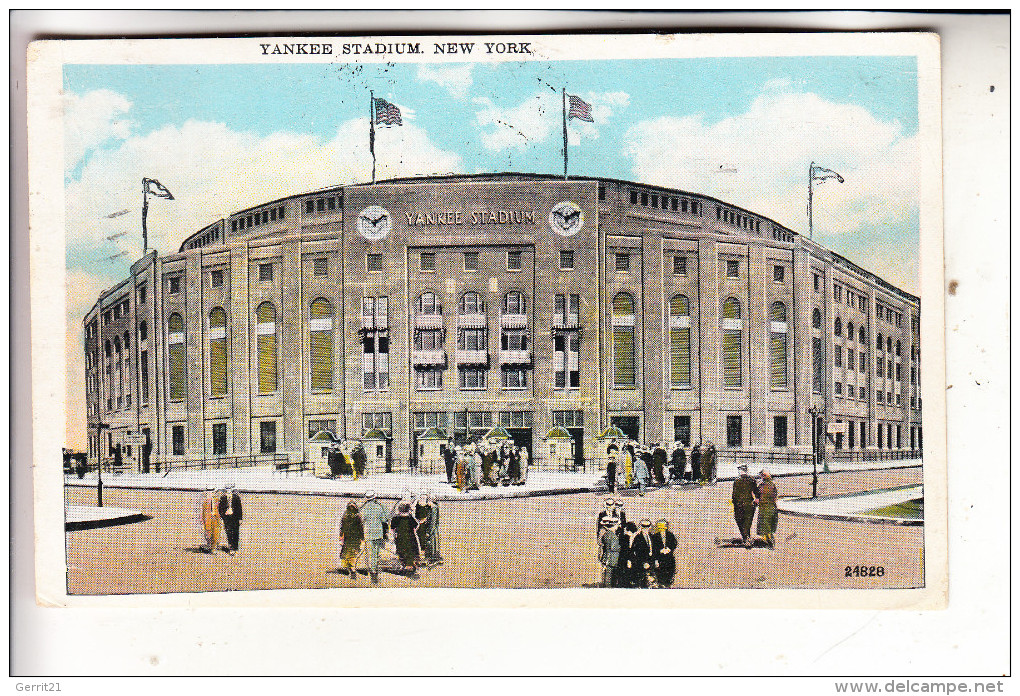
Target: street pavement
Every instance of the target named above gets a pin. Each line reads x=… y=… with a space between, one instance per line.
x=289 y=541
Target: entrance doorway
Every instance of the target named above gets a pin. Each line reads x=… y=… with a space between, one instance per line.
x=628 y=425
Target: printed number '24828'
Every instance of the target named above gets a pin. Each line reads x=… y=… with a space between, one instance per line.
x=865 y=571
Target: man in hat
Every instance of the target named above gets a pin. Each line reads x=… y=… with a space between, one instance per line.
x=696 y=463
x=664 y=550
x=641 y=464
x=229 y=509
x=611 y=454
x=678 y=463
x=426 y=511
x=450 y=460
x=611 y=512
x=768 y=510
x=659 y=463
x=642 y=560
x=745 y=497
x=609 y=550
x=376 y=522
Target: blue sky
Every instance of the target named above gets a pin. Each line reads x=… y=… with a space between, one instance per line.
x=225 y=137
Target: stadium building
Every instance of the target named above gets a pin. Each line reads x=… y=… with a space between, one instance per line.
x=467 y=302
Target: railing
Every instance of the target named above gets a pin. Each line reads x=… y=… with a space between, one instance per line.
x=874 y=455
x=276 y=460
x=754 y=458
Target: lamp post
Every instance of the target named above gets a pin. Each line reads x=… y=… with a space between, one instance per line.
x=817 y=418
x=99 y=464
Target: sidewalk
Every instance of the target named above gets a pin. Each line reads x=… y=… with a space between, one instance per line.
x=398 y=485
x=853 y=506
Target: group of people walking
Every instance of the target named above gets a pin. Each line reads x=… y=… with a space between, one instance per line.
x=221 y=506
x=642 y=465
x=415 y=528
x=634 y=555
x=345 y=459
x=749 y=494
x=485 y=464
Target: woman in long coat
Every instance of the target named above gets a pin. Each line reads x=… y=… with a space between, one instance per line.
x=628 y=466
x=768 y=510
x=352 y=534
x=664 y=551
x=405 y=535
x=210 y=520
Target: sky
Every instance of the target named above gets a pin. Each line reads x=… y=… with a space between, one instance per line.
x=225 y=137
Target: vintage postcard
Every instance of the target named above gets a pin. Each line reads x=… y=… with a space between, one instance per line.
x=592 y=320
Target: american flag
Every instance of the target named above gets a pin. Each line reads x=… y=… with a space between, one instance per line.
x=386 y=113
x=579 y=109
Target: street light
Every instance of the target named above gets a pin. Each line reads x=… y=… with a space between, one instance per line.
x=817 y=415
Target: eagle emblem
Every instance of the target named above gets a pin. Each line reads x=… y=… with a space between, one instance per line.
x=566 y=218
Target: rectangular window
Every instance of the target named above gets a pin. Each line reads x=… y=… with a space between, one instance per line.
x=141 y=294
x=566 y=260
x=318 y=426
x=429 y=379
x=816 y=364
x=778 y=274
x=682 y=430
x=602 y=193
x=219 y=438
x=633 y=197
x=622 y=262
x=267 y=437
x=818 y=281
x=863 y=365
x=734 y=431
x=177 y=435
x=838 y=355
x=513 y=260
x=471 y=339
x=850 y=359
x=837 y=293
x=878 y=395
x=838 y=388
x=515 y=378
x=427 y=261
x=878 y=368
x=143 y=366
x=216 y=279
x=265 y=273
x=472 y=378
x=470 y=260
x=374 y=263
x=779 y=431
x=320 y=266
x=732 y=268
x=680 y=265
x=644 y=199
x=173 y=286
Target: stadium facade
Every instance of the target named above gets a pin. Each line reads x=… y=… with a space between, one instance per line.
x=527 y=301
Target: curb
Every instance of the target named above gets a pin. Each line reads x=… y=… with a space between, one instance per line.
x=863 y=519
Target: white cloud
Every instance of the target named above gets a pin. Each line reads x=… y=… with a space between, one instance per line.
x=455 y=79
x=541 y=115
x=213 y=170
x=91 y=120
x=770 y=147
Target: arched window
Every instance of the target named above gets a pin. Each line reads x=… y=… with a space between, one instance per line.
x=471 y=303
x=680 y=342
x=428 y=303
x=265 y=330
x=777 y=345
x=838 y=330
x=878 y=342
x=175 y=342
x=217 y=352
x=732 y=344
x=514 y=303
x=624 y=358
x=862 y=336
x=816 y=318
x=320 y=343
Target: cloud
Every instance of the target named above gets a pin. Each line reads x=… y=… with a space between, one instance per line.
x=539 y=116
x=455 y=79
x=213 y=171
x=759 y=160
x=91 y=120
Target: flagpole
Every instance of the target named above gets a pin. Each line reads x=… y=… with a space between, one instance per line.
x=371 y=130
x=810 y=195
x=145 y=214
x=564 y=133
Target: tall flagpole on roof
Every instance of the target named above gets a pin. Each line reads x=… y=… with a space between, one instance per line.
x=371 y=130
x=564 y=133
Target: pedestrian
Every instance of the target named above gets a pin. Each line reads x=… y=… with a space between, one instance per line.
x=352 y=536
x=659 y=463
x=474 y=469
x=664 y=551
x=488 y=461
x=118 y=458
x=513 y=465
x=405 y=538
x=524 y=462
x=708 y=464
x=359 y=460
x=460 y=468
x=376 y=524
x=641 y=470
x=611 y=455
x=609 y=551
x=502 y=465
x=642 y=560
x=450 y=460
x=611 y=512
x=229 y=508
x=624 y=575
x=628 y=465
x=210 y=520
x=696 y=463
x=426 y=511
x=678 y=463
x=768 y=510
x=745 y=497
x=333 y=459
